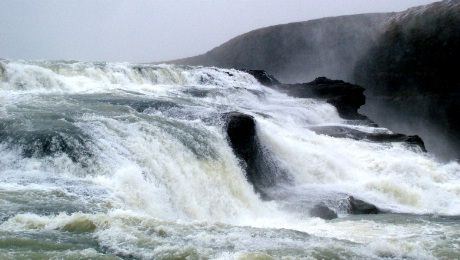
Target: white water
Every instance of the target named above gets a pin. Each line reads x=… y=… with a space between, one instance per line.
x=157 y=178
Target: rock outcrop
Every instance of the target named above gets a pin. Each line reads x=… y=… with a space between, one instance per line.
x=241 y=131
x=357 y=206
x=411 y=75
x=261 y=169
x=346 y=97
x=381 y=137
x=322 y=211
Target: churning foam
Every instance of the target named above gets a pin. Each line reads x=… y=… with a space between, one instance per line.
x=157 y=153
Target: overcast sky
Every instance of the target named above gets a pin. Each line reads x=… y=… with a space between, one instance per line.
x=141 y=30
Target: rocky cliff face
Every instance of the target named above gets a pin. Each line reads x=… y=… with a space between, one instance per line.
x=411 y=74
x=299 y=52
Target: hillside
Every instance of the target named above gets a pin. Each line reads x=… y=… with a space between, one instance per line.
x=299 y=52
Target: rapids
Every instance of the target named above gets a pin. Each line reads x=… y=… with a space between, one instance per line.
x=118 y=160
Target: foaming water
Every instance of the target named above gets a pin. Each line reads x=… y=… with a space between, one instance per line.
x=108 y=160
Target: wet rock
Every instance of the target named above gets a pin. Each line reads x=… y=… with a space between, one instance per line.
x=347 y=132
x=241 y=131
x=346 y=97
x=413 y=140
x=322 y=211
x=357 y=206
x=263 y=77
x=261 y=169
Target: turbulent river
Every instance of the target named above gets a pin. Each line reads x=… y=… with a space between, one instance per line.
x=131 y=161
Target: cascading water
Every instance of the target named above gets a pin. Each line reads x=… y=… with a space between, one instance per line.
x=101 y=160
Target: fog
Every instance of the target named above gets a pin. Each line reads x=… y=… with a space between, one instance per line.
x=142 y=31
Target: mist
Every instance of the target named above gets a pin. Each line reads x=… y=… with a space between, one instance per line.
x=143 y=31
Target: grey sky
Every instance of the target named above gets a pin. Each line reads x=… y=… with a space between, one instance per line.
x=141 y=30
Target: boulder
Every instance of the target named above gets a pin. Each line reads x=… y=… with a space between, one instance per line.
x=241 y=131
x=322 y=211
x=261 y=169
x=357 y=206
x=346 y=97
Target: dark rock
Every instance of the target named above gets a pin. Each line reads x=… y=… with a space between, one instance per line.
x=361 y=207
x=347 y=132
x=241 y=131
x=263 y=77
x=411 y=75
x=346 y=97
x=261 y=169
x=322 y=211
